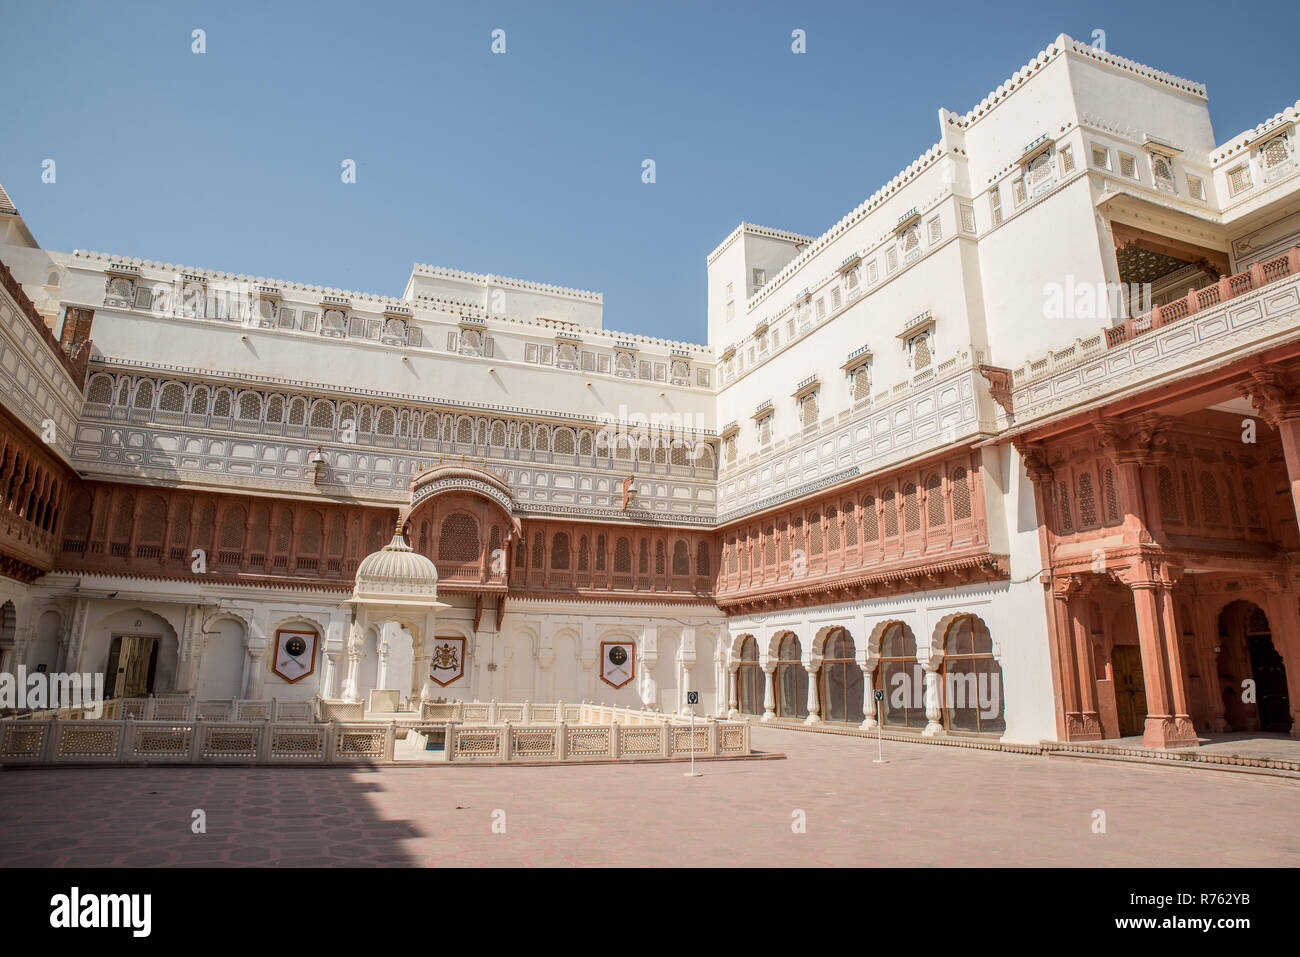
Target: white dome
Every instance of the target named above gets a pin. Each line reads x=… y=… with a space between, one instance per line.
x=398 y=572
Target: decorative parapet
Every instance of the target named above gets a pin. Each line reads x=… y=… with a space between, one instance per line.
x=1234 y=312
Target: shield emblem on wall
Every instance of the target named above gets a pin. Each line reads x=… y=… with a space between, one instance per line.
x=447 y=661
x=295 y=654
x=617 y=662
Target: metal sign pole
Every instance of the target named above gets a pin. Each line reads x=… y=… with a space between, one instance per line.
x=691 y=698
x=880 y=755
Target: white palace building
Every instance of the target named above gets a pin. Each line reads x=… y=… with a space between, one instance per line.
x=1014 y=441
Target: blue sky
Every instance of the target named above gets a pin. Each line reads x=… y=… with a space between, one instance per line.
x=528 y=164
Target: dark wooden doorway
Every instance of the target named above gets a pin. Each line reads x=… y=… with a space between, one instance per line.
x=1130 y=689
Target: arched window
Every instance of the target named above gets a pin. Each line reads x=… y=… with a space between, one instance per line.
x=101 y=389
x=458 y=538
x=960 y=495
x=749 y=678
x=934 y=502
x=564 y=441
x=681 y=558
x=622 y=557
x=900 y=677
x=971 y=679
x=840 y=679
x=702 y=559
x=891 y=514
x=791 y=679
x=560 y=551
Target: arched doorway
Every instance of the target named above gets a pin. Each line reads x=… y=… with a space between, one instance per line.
x=791 y=679
x=840 y=679
x=749 y=678
x=899 y=676
x=1247 y=652
x=971 y=679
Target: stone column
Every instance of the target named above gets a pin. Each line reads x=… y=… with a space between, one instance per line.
x=769 y=693
x=868 y=696
x=933 y=699
x=381 y=653
x=1163 y=729
x=256 y=673
x=355 y=649
x=733 y=691
x=813 y=705
x=1179 y=699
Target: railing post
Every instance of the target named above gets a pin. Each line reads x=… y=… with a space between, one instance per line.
x=263 y=741
x=505 y=741
x=1256 y=275
x=124 y=743
x=196 y=740
x=562 y=739
x=1293 y=260
x=1193 y=302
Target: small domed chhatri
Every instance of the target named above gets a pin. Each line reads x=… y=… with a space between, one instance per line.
x=396 y=575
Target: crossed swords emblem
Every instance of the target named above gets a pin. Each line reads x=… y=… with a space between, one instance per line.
x=618 y=657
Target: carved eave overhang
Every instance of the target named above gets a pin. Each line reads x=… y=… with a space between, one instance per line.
x=19 y=570
x=123 y=269
x=732 y=428
x=807 y=387
x=909 y=218
x=728 y=352
x=1153 y=144
x=398 y=311
x=916 y=325
x=564 y=336
x=763 y=411
x=1036 y=149
x=604 y=596
x=859 y=357
x=472 y=322
x=335 y=302
x=267 y=292
x=760 y=327
x=928 y=576
x=850 y=263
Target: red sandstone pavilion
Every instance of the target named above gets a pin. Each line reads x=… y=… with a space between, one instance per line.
x=903 y=460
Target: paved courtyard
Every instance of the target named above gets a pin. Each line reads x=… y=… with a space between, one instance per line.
x=926 y=806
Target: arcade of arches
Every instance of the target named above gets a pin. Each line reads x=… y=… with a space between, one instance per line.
x=954 y=687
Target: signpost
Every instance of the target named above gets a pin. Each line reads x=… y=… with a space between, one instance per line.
x=692 y=698
x=879 y=695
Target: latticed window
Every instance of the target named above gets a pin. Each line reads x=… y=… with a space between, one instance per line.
x=1252 y=503
x=870 y=520
x=250 y=407
x=808 y=409
x=275 y=410
x=152 y=520
x=542 y=439
x=622 y=557
x=180 y=527
x=172 y=398
x=1162 y=171
x=1239 y=179
x=702 y=558
x=458 y=539
x=465 y=431
x=1232 y=505
x=297 y=411
x=911 y=243
x=995 y=204
x=921 y=352
x=934 y=501
x=144 y=395
x=101 y=390
x=1188 y=497
x=769 y=546
x=643 y=558
x=322 y=416
x=960 y=495
x=560 y=552
x=833 y=530
x=815 y=534
x=222 y=405
x=387 y=422
x=1211 y=507
x=861 y=382
x=891 y=513
x=600 y=553
x=851 y=528
x=539 y=552
x=660 y=558
x=232 y=531
x=783 y=541
x=1063 y=503
x=1168 y=496
x=564 y=441
x=1087 y=501
x=1040 y=170
x=911 y=508
x=1127 y=166
x=584 y=561
x=498 y=433
x=1112 y=504
x=1274 y=152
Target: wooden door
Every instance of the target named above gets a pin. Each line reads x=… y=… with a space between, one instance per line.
x=1130 y=689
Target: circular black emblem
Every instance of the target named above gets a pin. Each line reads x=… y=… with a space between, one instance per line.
x=618 y=655
x=295 y=646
